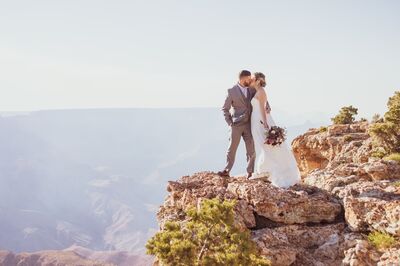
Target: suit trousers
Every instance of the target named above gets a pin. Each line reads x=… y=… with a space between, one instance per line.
x=237 y=132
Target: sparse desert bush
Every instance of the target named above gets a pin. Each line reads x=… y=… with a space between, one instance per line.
x=381 y=240
x=393 y=113
x=387 y=136
x=348 y=138
x=346 y=115
x=386 y=133
x=208 y=237
x=393 y=157
x=378 y=153
x=323 y=129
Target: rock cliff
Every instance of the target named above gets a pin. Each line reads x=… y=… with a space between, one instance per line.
x=74 y=255
x=344 y=195
x=48 y=257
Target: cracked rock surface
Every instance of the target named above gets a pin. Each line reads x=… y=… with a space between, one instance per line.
x=344 y=195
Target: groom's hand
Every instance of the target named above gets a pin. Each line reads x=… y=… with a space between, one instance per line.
x=226 y=108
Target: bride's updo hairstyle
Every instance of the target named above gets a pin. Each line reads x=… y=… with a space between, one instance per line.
x=261 y=77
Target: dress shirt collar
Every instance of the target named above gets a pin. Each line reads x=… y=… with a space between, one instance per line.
x=240 y=86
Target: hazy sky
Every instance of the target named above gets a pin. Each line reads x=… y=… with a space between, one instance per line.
x=317 y=55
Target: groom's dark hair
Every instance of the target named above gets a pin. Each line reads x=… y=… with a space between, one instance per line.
x=244 y=73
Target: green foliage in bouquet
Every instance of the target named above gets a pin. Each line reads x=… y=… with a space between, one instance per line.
x=275 y=136
x=208 y=237
x=386 y=132
x=346 y=115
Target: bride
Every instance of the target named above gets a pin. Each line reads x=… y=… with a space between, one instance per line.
x=276 y=162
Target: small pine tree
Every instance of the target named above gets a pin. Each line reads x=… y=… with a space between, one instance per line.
x=393 y=113
x=208 y=237
x=346 y=115
x=386 y=132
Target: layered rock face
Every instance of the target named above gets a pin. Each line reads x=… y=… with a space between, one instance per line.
x=294 y=226
x=323 y=221
x=338 y=160
x=74 y=255
x=48 y=257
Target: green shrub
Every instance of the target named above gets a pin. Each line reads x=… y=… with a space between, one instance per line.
x=346 y=115
x=323 y=129
x=381 y=240
x=348 y=138
x=393 y=157
x=378 y=153
x=208 y=237
x=386 y=133
x=396 y=184
x=393 y=113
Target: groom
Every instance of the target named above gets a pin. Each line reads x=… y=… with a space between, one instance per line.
x=239 y=99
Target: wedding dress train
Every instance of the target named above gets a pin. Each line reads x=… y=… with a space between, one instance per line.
x=276 y=162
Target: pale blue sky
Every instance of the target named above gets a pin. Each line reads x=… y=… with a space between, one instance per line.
x=317 y=55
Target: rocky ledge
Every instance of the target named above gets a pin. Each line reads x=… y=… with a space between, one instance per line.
x=367 y=187
x=344 y=195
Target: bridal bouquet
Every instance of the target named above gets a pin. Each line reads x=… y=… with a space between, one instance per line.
x=275 y=136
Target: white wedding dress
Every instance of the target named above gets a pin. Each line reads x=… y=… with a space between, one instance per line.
x=276 y=162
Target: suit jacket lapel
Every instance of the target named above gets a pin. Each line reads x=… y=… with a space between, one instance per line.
x=251 y=93
x=241 y=94
x=248 y=94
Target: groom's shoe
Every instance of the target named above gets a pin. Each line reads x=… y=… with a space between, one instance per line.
x=249 y=175
x=223 y=173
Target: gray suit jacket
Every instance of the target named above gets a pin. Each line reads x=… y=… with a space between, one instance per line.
x=241 y=106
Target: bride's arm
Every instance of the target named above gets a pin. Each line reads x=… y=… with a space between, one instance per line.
x=262 y=100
